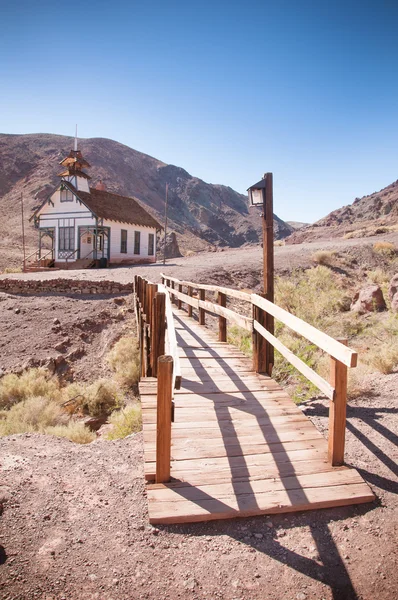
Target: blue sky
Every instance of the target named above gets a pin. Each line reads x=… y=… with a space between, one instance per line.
x=226 y=90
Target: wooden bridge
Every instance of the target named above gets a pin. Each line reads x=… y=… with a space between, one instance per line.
x=221 y=439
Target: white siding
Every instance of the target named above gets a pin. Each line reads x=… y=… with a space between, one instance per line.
x=116 y=236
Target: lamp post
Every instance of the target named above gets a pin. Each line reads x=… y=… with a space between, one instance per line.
x=261 y=193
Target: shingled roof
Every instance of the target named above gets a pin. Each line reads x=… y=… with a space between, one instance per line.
x=116 y=208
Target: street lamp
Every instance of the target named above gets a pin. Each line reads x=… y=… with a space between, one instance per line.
x=257 y=192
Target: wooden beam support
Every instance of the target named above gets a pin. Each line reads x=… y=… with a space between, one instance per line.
x=163 y=419
x=222 y=321
x=179 y=303
x=268 y=261
x=190 y=292
x=337 y=411
x=202 y=312
x=158 y=330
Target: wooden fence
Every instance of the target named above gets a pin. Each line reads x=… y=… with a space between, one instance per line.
x=341 y=357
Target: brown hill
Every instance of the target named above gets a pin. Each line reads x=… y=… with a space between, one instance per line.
x=365 y=216
x=201 y=214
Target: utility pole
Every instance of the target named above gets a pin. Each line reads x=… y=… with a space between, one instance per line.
x=23 y=232
x=165 y=223
x=268 y=260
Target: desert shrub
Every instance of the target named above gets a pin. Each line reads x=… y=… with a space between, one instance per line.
x=124 y=360
x=358 y=384
x=323 y=257
x=12 y=270
x=32 y=415
x=279 y=242
x=241 y=338
x=125 y=422
x=31 y=383
x=189 y=253
x=73 y=431
x=101 y=397
x=313 y=296
x=378 y=276
x=384 y=248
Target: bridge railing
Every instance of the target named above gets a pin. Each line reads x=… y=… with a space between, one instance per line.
x=263 y=312
x=159 y=359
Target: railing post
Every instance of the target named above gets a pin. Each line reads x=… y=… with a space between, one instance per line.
x=260 y=345
x=337 y=410
x=158 y=330
x=163 y=422
x=172 y=295
x=222 y=321
x=190 y=292
x=202 y=312
x=179 y=304
x=152 y=288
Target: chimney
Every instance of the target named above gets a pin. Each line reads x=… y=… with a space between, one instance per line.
x=101 y=186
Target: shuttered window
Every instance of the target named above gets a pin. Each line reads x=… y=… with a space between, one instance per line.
x=137 y=242
x=123 y=241
x=151 y=244
x=66 y=238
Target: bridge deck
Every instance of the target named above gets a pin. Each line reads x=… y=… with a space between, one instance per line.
x=240 y=446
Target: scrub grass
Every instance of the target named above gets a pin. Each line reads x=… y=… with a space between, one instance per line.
x=125 y=422
x=124 y=361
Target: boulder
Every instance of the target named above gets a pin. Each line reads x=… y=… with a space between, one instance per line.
x=368 y=299
x=393 y=293
x=172 y=248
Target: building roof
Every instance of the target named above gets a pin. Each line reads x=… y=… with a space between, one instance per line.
x=113 y=207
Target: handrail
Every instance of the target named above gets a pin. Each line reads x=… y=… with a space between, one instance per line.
x=171 y=338
x=322 y=340
x=211 y=288
x=70 y=256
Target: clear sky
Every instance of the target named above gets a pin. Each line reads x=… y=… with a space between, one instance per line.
x=225 y=89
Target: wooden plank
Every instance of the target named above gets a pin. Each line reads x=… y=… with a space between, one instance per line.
x=245 y=506
x=322 y=340
x=316 y=379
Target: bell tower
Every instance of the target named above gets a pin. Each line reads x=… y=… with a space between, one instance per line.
x=75 y=165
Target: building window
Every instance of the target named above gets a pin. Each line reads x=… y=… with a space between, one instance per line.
x=123 y=241
x=137 y=239
x=66 y=195
x=151 y=244
x=66 y=238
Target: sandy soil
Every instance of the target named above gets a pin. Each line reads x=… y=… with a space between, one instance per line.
x=69 y=334
x=74 y=526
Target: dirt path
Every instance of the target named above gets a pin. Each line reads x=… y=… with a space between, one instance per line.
x=74 y=526
x=243 y=262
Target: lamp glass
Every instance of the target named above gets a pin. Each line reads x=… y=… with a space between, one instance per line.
x=256 y=196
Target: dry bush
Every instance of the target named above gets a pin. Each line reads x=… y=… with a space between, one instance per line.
x=384 y=358
x=385 y=248
x=189 y=253
x=279 y=242
x=125 y=422
x=379 y=276
x=73 y=431
x=323 y=257
x=31 y=383
x=124 y=361
x=12 y=270
x=32 y=415
x=241 y=338
x=101 y=397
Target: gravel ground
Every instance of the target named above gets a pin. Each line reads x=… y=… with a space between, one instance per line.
x=74 y=526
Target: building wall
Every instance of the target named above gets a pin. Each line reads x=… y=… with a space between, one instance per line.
x=65 y=214
x=129 y=257
x=74 y=214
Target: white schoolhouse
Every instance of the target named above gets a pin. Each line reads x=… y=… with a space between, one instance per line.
x=85 y=226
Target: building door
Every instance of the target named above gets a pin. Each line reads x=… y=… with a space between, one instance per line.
x=86 y=243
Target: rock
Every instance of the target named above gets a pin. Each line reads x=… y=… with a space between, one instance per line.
x=17 y=311
x=190 y=584
x=56 y=321
x=393 y=293
x=259 y=536
x=369 y=299
x=94 y=423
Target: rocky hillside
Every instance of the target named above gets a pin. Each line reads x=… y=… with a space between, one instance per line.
x=365 y=216
x=201 y=214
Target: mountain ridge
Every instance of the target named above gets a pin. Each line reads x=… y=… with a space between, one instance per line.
x=200 y=213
